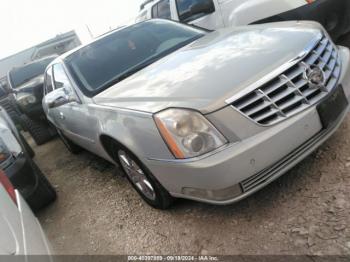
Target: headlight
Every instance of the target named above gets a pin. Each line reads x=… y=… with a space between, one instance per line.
x=24 y=100
x=188 y=133
x=4 y=152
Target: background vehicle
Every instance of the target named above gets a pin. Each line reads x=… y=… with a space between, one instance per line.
x=8 y=103
x=21 y=233
x=15 y=160
x=26 y=84
x=215 y=14
x=189 y=113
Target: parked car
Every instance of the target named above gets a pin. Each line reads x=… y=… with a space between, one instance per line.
x=21 y=233
x=16 y=161
x=215 y=14
x=8 y=103
x=208 y=116
x=26 y=93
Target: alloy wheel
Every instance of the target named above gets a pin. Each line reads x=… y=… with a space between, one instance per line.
x=136 y=175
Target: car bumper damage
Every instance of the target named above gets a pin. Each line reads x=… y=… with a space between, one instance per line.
x=239 y=169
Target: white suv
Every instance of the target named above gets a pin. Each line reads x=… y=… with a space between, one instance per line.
x=215 y=14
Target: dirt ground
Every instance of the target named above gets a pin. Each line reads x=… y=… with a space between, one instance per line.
x=306 y=211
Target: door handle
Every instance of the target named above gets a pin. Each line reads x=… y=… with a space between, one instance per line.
x=62 y=116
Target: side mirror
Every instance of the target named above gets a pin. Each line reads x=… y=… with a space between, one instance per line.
x=203 y=6
x=58 y=98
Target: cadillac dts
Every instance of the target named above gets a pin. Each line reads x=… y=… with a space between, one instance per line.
x=211 y=116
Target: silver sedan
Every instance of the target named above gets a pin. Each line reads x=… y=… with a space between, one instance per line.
x=208 y=116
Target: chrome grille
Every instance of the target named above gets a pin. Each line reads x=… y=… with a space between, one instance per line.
x=290 y=93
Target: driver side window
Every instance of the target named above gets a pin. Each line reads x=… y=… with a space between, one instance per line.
x=48 y=81
x=60 y=78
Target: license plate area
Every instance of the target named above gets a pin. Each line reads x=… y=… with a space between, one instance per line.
x=330 y=109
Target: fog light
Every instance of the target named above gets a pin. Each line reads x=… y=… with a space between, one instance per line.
x=216 y=195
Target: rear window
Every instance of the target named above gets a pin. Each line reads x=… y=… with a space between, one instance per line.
x=114 y=57
x=21 y=75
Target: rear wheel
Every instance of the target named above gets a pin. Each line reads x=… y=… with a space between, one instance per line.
x=39 y=131
x=44 y=193
x=143 y=181
x=70 y=145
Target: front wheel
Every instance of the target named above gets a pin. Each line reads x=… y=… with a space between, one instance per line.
x=143 y=181
x=39 y=131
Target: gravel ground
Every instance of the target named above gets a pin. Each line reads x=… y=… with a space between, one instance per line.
x=307 y=211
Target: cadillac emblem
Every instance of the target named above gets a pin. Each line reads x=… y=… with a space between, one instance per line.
x=315 y=77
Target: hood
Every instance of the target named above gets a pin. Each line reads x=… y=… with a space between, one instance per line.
x=34 y=86
x=33 y=89
x=212 y=69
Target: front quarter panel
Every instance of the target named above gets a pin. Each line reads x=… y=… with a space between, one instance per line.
x=134 y=130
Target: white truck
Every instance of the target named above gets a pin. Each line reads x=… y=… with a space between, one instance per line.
x=334 y=15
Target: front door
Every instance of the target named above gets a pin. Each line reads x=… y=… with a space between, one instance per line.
x=74 y=119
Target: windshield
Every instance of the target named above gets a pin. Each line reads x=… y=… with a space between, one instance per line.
x=21 y=75
x=124 y=52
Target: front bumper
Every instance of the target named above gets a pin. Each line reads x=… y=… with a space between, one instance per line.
x=332 y=14
x=34 y=111
x=226 y=176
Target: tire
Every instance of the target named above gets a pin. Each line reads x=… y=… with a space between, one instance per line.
x=38 y=130
x=162 y=198
x=26 y=146
x=44 y=194
x=70 y=145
